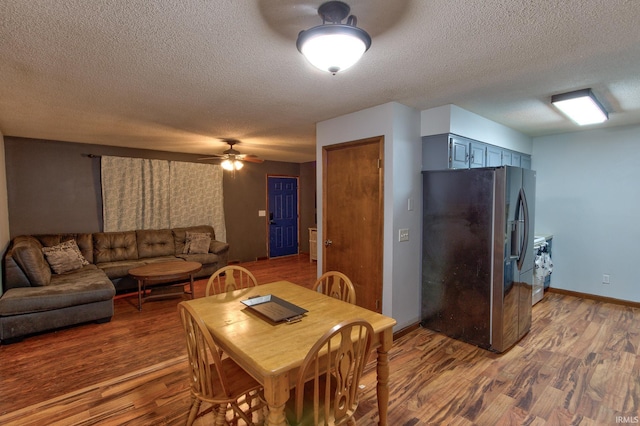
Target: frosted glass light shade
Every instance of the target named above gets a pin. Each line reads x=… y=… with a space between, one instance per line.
x=333 y=47
x=231 y=165
x=581 y=106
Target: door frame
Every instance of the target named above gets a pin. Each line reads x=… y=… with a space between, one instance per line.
x=266 y=221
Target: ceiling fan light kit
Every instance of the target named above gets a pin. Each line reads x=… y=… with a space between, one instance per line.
x=581 y=106
x=334 y=46
x=232 y=159
x=230 y=165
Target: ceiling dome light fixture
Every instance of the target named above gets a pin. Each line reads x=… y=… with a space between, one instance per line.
x=334 y=46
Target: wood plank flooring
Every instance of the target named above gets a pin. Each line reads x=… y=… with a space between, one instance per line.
x=579 y=365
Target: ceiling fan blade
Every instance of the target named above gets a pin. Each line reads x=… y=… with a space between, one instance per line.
x=213 y=157
x=232 y=154
x=252 y=159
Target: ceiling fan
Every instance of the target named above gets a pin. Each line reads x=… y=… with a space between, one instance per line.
x=231 y=158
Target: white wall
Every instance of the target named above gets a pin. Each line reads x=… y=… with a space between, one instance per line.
x=400 y=126
x=588 y=197
x=453 y=119
x=4 y=205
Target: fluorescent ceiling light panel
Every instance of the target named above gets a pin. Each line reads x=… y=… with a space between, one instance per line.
x=580 y=106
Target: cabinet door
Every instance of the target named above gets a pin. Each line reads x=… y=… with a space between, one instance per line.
x=525 y=162
x=436 y=152
x=515 y=159
x=478 y=153
x=506 y=157
x=494 y=156
x=459 y=153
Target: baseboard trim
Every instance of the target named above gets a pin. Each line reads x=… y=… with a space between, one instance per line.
x=595 y=297
x=408 y=329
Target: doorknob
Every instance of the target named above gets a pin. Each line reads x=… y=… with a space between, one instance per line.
x=327 y=243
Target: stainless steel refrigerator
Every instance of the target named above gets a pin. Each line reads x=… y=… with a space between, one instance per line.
x=477 y=254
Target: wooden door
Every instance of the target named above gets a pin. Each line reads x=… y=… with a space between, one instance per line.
x=353 y=216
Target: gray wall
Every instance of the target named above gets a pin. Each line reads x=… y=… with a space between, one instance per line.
x=587 y=196
x=308 y=205
x=54 y=187
x=245 y=195
x=4 y=209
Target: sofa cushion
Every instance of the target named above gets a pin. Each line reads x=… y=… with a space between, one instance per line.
x=218 y=247
x=196 y=242
x=86 y=285
x=171 y=258
x=114 y=246
x=203 y=258
x=27 y=252
x=13 y=276
x=155 y=242
x=119 y=268
x=64 y=257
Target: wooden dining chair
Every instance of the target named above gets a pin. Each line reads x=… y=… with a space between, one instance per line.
x=220 y=382
x=232 y=277
x=328 y=380
x=336 y=284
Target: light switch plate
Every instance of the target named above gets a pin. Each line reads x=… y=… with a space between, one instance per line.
x=403 y=234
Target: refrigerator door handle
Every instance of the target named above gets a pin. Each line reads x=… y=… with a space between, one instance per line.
x=522 y=203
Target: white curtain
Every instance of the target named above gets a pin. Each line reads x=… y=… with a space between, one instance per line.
x=196 y=196
x=155 y=194
x=135 y=193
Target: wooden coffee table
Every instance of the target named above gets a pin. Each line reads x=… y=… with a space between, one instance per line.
x=164 y=272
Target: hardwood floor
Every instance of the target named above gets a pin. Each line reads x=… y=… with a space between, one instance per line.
x=580 y=364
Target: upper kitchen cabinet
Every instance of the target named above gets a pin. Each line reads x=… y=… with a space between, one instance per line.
x=458 y=152
x=506 y=158
x=478 y=154
x=494 y=156
x=449 y=151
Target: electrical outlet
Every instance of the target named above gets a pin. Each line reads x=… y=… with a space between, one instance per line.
x=403 y=234
x=606 y=279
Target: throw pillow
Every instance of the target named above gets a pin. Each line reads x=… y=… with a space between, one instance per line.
x=64 y=257
x=197 y=242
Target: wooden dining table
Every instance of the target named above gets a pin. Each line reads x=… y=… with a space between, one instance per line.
x=273 y=352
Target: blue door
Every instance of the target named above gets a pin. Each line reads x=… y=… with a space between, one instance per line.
x=283 y=215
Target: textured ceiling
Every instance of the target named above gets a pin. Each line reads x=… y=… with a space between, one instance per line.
x=178 y=75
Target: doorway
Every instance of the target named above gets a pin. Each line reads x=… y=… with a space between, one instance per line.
x=353 y=216
x=282 y=194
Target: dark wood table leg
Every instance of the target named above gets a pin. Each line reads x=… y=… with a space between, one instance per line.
x=140 y=287
x=191 y=285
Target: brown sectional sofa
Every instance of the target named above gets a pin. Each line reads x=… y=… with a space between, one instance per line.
x=36 y=299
